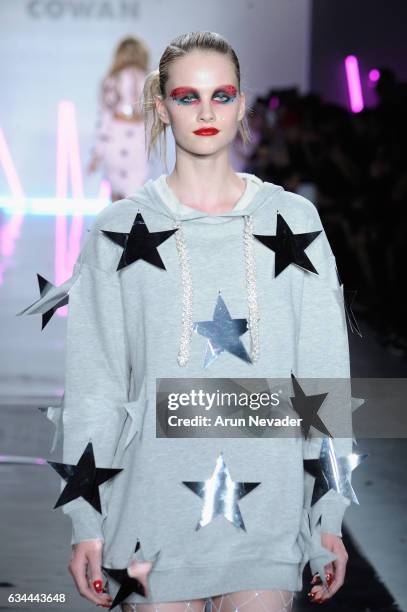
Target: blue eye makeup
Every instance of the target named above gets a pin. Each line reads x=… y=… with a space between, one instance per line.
x=188 y=97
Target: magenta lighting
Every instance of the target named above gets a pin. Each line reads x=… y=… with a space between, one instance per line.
x=374 y=75
x=354 y=84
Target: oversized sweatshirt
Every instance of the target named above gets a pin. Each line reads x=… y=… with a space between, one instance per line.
x=129 y=324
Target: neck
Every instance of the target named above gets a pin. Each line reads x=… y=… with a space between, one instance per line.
x=207 y=184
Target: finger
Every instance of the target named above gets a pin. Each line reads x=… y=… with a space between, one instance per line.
x=96 y=579
x=338 y=576
x=320 y=595
x=316 y=591
x=319 y=591
x=316 y=579
x=77 y=568
x=329 y=568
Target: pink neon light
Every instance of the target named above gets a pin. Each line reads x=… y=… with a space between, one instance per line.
x=68 y=164
x=354 y=84
x=9 y=231
x=9 y=168
x=374 y=75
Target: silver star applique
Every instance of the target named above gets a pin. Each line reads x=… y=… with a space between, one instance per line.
x=221 y=495
x=223 y=334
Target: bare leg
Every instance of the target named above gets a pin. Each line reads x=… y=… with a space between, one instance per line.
x=194 y=605
x=254 y=601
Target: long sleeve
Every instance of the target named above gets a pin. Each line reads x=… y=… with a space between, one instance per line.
x=323 y=354
x=130 y=88
x=97 y=374
x=108 y=96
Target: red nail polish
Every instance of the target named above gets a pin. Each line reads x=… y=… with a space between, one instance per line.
x=98 y=586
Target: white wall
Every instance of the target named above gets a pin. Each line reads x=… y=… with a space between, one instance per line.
x=47 y=54
x=59 y=49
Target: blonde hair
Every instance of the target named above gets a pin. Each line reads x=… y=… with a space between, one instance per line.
x=130 y=51
x=156 y=81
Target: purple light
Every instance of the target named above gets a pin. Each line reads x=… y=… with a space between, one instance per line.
x=374 y=75
x=274 y=102
x=354 y=84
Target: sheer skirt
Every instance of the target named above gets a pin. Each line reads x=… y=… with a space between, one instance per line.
x=241 y=601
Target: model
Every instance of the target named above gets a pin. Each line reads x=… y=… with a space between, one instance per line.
x=203 y=273
x=119 y=146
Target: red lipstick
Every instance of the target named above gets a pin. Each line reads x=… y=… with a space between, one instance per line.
x=206 y=131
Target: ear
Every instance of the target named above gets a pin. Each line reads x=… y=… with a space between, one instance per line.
x=161 y=109
x=242 y=106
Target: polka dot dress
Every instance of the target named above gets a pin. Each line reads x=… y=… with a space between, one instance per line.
x=120 y=144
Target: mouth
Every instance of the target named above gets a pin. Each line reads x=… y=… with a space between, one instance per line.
x=206 y=132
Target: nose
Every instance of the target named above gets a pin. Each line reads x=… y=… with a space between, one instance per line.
x=206 y=112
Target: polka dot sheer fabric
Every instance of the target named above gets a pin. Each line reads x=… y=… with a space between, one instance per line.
x=242 y=601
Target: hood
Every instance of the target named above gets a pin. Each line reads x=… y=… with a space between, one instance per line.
x=150 y=196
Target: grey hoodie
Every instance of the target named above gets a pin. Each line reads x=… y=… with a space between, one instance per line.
x=125 y=329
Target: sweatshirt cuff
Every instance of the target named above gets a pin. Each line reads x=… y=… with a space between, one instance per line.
x=332 y=514
x=86 y=524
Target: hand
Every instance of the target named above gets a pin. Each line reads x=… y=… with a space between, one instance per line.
x=334 y=572
x=93 y=164
x=85 y=567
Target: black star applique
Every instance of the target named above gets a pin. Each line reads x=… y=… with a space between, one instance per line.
x=332 y=472
x=139 y=243
x=83 y=479
x=128 y=585
x=223 y=334
x=132 y=579
x=288 y=247
x=307 y=406
x=346 y=297
x=52 y=298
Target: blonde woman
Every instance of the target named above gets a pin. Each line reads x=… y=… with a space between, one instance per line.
x=202 y=273
x=119 y=147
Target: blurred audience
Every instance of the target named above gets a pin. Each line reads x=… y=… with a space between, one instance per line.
x=352 y=166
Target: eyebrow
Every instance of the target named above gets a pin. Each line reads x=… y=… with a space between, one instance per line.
x=180 y=91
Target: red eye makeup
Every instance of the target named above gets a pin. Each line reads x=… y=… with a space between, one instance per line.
x=188 y=95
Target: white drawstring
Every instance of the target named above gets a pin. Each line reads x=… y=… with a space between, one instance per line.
x=187 y=292
x=186 y=277
x=251 y=288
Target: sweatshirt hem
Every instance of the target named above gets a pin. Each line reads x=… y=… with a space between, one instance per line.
x=179 y=584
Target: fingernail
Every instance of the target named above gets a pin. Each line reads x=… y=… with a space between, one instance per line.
x=98 y=586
